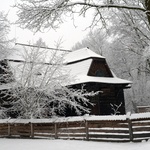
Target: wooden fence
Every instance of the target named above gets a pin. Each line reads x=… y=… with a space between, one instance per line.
x=123 y=128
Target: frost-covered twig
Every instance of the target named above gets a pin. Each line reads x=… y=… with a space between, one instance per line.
x=115 y=108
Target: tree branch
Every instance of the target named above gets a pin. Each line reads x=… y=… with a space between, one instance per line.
x=107 y=6
x=51 y=14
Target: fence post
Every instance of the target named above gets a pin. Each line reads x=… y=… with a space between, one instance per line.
x=130 y=126
x=9 y=130
x=32 y=130
x=55 y=126
x=87 y=130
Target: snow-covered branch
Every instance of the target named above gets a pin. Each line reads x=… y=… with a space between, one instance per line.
x=37 y=15
x=107 y=6
x=115 y=108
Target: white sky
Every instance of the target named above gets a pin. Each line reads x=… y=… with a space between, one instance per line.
x=67 y=31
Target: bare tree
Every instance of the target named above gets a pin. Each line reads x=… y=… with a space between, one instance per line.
x=95 y=40
x=4 y=41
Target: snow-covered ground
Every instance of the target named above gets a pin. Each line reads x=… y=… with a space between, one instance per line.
x=47 y=144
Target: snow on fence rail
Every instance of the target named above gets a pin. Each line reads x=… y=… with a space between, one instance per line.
x=134 y=127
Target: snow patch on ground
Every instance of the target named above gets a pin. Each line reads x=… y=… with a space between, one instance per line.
x=43 y=144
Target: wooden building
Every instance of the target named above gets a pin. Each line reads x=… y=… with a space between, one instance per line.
x=91 y=70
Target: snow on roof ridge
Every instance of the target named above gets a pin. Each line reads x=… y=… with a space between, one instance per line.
x=90 y=52
x=81 y=54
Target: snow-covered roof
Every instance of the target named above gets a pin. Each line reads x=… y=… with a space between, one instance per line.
x=80 y=68
x=24 y=53
x=81 y=54
x=110 y=80
x=77 y=71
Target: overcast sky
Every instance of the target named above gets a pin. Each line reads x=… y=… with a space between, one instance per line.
x=67 y=31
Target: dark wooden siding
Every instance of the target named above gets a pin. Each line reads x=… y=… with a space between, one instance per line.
x=99 y=68
x=111 y=97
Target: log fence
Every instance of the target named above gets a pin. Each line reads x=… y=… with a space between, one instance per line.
x=123 y=128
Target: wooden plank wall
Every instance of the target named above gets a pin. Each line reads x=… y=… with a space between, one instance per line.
x=95 y=130
x=141 y=128
x=108 y=130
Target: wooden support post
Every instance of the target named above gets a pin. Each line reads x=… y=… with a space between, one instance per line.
x=56 y=132
x=87 y=130
x=130 y=126
x=32 y=130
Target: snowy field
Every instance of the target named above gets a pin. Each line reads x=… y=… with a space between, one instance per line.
x=45 y=144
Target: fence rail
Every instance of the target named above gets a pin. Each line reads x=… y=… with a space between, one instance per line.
x=134 y=127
